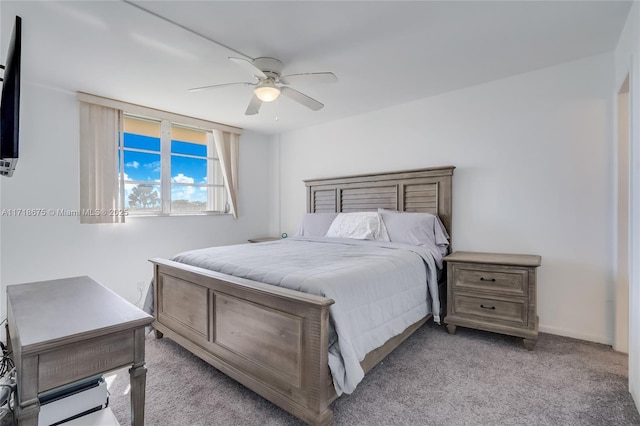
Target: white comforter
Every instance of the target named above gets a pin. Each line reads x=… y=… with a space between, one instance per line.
x=379 y=288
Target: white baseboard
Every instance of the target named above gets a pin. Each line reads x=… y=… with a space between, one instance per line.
x=606 y=340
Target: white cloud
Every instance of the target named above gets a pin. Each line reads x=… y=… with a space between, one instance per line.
x=133 y=164
x=180 y=178
x=191 y=193
x=154 y=165
x=182 y=193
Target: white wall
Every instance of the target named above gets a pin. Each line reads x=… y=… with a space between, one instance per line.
x=533 y=175
x=627 y=62
x=42 y=248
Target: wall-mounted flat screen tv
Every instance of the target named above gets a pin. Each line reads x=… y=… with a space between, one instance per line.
x=10 y=103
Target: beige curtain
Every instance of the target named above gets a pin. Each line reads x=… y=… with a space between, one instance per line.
x=99 y=133
x=227 y=145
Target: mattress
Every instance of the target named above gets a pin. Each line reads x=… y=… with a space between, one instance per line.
x=379 y=288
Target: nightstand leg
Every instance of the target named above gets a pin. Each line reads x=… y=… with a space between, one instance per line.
x=451 y=328
x=529 y=344
x=159 y=334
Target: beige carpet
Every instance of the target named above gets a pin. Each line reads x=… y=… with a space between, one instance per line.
x=472 y=378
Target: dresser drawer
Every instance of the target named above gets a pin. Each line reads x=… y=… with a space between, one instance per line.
x=490 y=278
x=84 y=359
x=512 y=312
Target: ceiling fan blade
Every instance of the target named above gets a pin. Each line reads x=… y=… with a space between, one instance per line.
x=301 y=98
x=198 y=89
x=310 y=77
x=249 y=66
x=254 y=106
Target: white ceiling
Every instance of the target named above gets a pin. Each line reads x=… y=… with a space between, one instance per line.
x=383 y=53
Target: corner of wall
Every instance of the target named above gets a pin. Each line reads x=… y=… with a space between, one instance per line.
x=275 y=216
x=627 y=58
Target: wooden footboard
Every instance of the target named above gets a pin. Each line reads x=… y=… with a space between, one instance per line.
x=271 y=339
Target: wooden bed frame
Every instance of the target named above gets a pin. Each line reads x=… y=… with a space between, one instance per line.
x=274 y=340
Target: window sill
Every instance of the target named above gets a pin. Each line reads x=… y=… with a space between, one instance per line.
x=179 y=214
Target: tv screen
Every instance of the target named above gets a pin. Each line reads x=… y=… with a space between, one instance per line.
x=10 y=103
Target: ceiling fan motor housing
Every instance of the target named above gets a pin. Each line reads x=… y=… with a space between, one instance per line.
x=270 y=66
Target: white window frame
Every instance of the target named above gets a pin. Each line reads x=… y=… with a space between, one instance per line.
x=166 y=181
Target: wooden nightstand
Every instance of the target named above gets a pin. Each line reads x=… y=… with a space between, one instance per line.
x=493 y=292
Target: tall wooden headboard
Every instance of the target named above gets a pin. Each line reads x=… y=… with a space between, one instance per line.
x=424 y=190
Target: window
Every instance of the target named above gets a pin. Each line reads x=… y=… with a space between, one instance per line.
x=168 y=168
x=136 y=160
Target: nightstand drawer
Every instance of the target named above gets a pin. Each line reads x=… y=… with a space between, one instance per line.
x=512 y=312
x=490 y=278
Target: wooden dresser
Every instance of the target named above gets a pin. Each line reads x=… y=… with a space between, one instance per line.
x=66 y=330
x=493 y=292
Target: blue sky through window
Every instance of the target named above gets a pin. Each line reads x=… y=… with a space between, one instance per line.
x=145 y=166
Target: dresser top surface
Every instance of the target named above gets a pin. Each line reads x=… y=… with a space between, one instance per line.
x=528 y=260
x=60 y=310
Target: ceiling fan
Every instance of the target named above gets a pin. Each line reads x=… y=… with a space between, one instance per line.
x=270 y=84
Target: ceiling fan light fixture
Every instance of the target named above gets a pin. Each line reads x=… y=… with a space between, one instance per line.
x=267 y=91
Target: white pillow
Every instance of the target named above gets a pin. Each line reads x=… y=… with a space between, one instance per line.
x=315 y=224
x=358 y=225
x=419 y=229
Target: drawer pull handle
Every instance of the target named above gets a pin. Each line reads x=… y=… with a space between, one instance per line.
x=488 y=307
x=493 y=280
